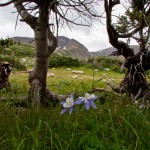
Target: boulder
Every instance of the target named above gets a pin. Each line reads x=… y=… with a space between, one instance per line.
x=50 y=75
x=77 y=72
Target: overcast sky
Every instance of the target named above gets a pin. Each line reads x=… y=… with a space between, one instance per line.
x=94 y=38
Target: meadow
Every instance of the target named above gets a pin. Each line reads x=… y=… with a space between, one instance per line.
x=116 y=124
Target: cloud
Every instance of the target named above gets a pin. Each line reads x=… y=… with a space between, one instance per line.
x=8 y=17
x=94 y=38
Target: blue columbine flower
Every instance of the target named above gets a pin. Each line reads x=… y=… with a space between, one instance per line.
x=69 y=103
x=87 y=100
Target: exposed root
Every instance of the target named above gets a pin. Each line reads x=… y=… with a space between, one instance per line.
x=35 y=93
x=135 y=83
x=51 y=97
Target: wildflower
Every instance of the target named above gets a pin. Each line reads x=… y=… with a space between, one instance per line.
x=69 y=103
x=87 y=100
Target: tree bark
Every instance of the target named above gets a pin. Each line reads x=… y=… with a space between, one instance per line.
x=37 y=77
x=134 y=82
x=45 y=44
x=4 y=75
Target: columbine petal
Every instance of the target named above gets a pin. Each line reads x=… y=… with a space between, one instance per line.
x=69 y=100
x=81 y=97
x=63 y=111
x=79 y=101
x=65 y=105
x=93 y=104
x=87 y=105
x=92 y=96
x=71 y=109
x=62 y=103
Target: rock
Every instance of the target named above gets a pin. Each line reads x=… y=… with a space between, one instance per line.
x=104 y=80
x=111 y=79
x=77 y=72
x=69 y=69
x=50 y=75
x=75 y=76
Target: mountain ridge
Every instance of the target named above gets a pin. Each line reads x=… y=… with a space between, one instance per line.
x=70 y=47
x=73 y=48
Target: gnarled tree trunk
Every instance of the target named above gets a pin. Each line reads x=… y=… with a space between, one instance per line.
x=134 y=82
x=37 y=77
x=4 y=75
x=45 y=44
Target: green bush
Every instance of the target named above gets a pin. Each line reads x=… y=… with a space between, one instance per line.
x=7 y=42
x=23 y=50
x=14 y=61
x=58 y=61
x=6 y=51
x=102 y=62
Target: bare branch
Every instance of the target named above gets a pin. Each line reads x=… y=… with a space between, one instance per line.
x=138 y=28
x=28 y=18
x=6 y=4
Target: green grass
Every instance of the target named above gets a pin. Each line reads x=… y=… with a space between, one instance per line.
x=23 y=50
x=116 y=124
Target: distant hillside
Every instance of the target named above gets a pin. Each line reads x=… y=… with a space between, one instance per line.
x=108 y=51
x=104 y=52
x=73 y=48
x=70 y=47
x=26 y=40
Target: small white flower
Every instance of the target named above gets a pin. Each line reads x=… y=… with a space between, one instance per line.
x=87 y=100
x=87 y=97
x=69 y=102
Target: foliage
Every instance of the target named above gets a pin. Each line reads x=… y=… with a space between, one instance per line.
x=6 y=42
x=14 y=61
x=136 y=13
x=103 y=62
x=19 y=56
x=23 y=50
x=23 y=54
x=59 y=61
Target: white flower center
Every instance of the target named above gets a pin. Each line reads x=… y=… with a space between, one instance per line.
x=69 y=102
x=87 y=97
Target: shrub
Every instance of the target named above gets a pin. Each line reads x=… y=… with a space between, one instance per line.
x=23 y=50
x=102 y=62
x=58 y=61
x=7 y=42
x=14 y=61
